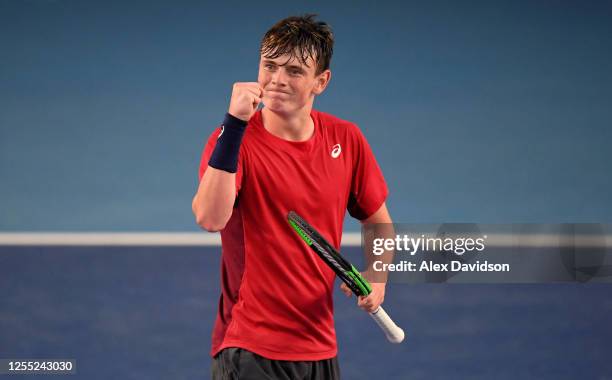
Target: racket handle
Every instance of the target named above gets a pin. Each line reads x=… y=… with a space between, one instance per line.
x=394 y=333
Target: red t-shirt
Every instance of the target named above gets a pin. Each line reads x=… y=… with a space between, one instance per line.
x=276 y=295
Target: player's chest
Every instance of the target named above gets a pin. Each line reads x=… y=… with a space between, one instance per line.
x=320 y=177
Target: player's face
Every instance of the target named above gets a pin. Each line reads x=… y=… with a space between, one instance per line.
x=290 y=85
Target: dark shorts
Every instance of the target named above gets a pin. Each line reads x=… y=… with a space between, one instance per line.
x=240 y=364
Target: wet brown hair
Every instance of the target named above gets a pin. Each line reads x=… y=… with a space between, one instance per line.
x=300 y=37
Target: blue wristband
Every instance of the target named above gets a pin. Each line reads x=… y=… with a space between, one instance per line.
x=225 y=155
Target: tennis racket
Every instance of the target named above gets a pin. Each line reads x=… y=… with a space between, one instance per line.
x=346 y=271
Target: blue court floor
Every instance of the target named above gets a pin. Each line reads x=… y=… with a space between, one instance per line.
x=147 y=313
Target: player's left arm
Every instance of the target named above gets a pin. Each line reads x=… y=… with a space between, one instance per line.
x=377 y=296
x=380 y=216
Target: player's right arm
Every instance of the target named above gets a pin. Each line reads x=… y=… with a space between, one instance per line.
x=212 y=205
x=214 y=201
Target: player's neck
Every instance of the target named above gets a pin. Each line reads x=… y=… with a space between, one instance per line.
x=297 y=127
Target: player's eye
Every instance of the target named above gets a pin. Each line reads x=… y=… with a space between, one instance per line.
x=269 y=66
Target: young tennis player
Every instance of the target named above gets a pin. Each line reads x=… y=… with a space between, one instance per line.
x=275 y=317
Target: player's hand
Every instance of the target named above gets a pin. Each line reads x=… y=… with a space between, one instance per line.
x=374 y=299
x=246 y=96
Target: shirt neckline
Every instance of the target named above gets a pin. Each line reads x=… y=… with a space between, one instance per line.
x=305 y=146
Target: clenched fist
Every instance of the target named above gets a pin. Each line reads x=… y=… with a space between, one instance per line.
x=246 y=96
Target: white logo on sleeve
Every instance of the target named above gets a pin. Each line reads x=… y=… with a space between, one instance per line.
x=337 y=149
x=222 y=130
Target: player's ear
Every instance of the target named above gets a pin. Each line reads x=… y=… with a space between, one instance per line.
x=321 y=82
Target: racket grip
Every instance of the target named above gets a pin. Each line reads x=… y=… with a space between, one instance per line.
x=394 y=333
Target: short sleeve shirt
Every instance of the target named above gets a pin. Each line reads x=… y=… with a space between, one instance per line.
x=276 y=297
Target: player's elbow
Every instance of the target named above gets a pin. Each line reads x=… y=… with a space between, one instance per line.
x=209 y=218
x=209 y=224
x=212 y=227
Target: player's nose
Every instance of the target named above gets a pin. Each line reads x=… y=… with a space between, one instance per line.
x=278 y=78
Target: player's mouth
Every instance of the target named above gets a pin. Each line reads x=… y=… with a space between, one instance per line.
x=276 y=93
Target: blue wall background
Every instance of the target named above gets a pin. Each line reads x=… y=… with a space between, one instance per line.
x=492 y=111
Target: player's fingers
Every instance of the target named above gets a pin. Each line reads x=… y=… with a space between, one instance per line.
x=370 y=303
x=363 y=301
x=366 y=304
x=248 y=84
x=254 y=93
x=345 y=289
x=249 y=96
x=243 y=87
x=254 y=90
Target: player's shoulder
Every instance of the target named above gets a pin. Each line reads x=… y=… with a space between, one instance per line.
x=334 y=124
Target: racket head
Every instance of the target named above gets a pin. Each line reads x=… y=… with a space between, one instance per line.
x=342 y=267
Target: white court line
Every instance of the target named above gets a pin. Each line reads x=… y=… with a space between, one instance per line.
x=349 y=239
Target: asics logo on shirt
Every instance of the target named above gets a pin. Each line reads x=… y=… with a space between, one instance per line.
x=222 y=129
x=336 y=150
